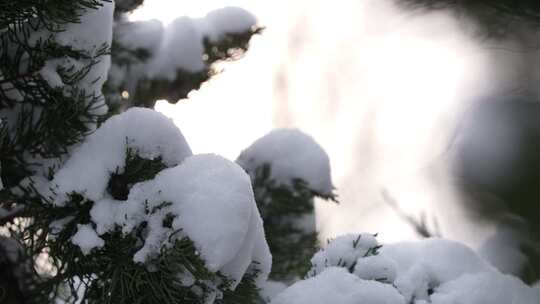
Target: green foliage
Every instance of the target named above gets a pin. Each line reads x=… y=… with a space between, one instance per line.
x=40 y=124
x=99 y=271
x=137 y=169
x=246 y=291
x=49 y=14
x=283 y=208
x=109 y=274
x=38 y=121
x=42 y=121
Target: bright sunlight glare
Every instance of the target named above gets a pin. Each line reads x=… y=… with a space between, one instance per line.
x=380 y=90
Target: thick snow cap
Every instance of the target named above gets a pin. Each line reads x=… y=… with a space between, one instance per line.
x=208 y=198
x=291 y=154
x=149 y=133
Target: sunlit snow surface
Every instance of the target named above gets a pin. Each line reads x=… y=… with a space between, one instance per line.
x=291 y=155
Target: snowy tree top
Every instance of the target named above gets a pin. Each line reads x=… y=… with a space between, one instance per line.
x=291 y=155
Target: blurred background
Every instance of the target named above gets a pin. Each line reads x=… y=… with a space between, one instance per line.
x=428 y=114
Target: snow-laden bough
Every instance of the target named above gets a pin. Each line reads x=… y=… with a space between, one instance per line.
x=204 y=198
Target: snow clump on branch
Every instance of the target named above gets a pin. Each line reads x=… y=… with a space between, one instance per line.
x=356 y=269
x=204 y=198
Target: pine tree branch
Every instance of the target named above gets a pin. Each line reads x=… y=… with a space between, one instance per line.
x=419 y=225
x=12 y=214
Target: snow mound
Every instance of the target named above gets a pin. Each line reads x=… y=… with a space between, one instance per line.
x=149 y=133
x=270 y=289
x=424 y=265
x=484 y=288
x=336 y=285
x=444 y=258
x=181 y=48
x=212 y=203
x=429 y=271
x=204 y=198
x=376 y=267
x=291 y=155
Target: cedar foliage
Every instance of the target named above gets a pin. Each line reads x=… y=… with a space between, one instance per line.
x=40 y=124
x=283 y=208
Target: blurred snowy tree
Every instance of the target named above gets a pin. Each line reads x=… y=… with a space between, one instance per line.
x=495 y=18
x=117 y=211
x=288 y=169
x=497 y=156
x=146 y=65
x=355 y=268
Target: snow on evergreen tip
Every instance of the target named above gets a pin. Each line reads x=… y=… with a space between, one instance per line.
x=180 y=45
x=205 y=198
x=433 y=271
x=344 y=251
x=126 y=213
x=212 y=203
x=291 y=155
x=149 y=133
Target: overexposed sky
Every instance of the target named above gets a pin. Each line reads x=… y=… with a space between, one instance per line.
x=378 y=88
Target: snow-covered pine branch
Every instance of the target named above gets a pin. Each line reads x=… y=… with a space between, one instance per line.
x=122 y=212
x=288 y=169
x=354 y=268
x=133 y=207
x=152 y=61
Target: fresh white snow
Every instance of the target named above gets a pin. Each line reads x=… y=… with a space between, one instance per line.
x=179 y=45
x=93 y=31
x=227 y=20
x=86 y=238
x=148 y=132
x=291 y=154
x=213 y=204
x=337 y=285
x=207 y=198
x=433 y=271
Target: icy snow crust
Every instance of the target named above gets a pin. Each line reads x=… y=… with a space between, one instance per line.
x=291 y=154
x=209 y=198
x=433 y=271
